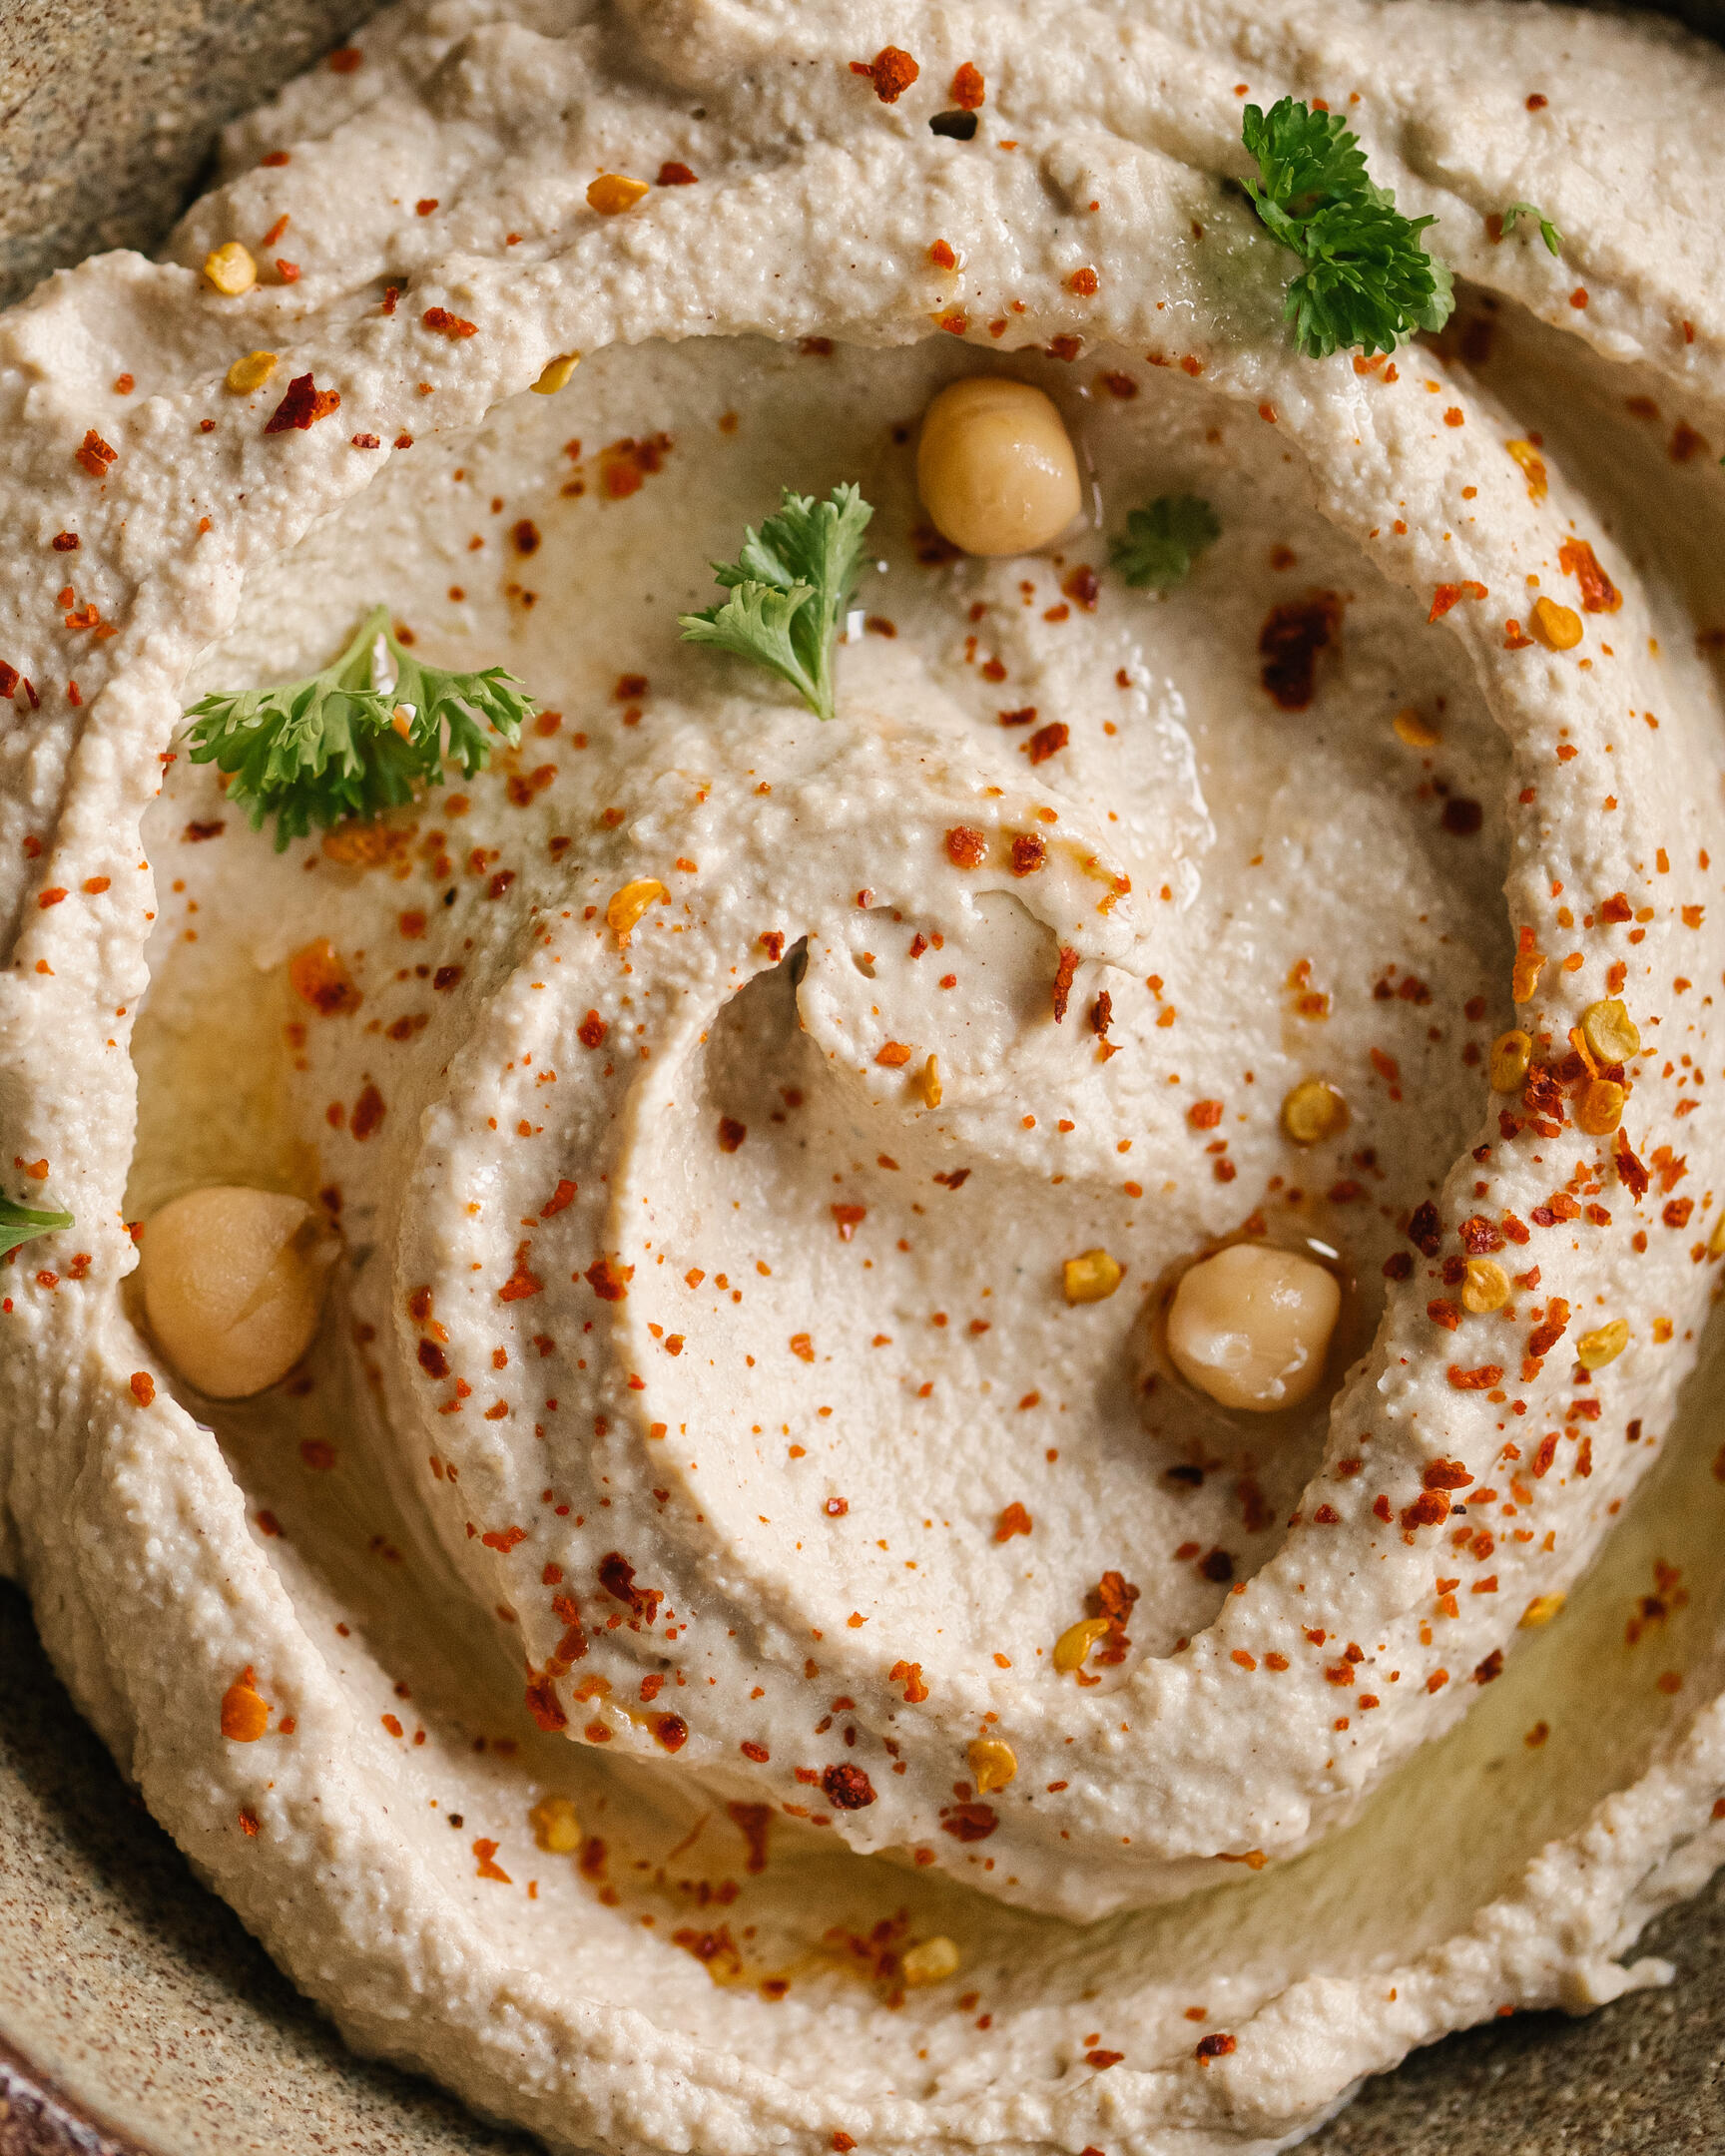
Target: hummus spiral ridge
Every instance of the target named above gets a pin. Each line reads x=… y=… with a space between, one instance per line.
x=317 y=1554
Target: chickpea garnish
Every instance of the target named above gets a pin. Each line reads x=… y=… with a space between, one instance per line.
x=929 y=1961
x=1314 y=1111
x=992 y=1763
x=234 y=1283
x=1512 y=1053
x=995 y=466
x=1484 y=1286
x=1251 y=1325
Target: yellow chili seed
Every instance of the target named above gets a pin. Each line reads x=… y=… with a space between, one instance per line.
x=1091 y=1277
x=555 y=1825
x=614 y=192
x=1600 y=1108
x=993 y=1764
x=1415 y=732
x=1512 y=1053
x=251 y=373
x=929 y=1961
x=1542 y=1610
x=628 y=904
x=556 y=374
x=1609 y=1031
x=1313 y=1110
x=1594 y=1350
x=1484 y=1286
x=1558 y=628
x=230 y=270
x=928 y=1082
x=1533 y=465
x=1075 y=1643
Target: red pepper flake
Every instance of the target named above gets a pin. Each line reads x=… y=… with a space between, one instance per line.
x=95 y=455
x=617 y=1577
x=1029 y=854
x=521 y=1282
x=1064 y=974
x=910 y=1674
x=51 y=896
x=1448 y=595
x=608 y=1280
x=1083 y=281
x=344 y=60
x=848 y=1788
x=244 y=1711
x=730 y=1134
x=1216 y=2045
x=1598 y=594
x=1577 y=299
x=969 y=1821
x=64 y=542
x=1047 y=740
x=1631 y=1171
x=559 y=1198
x=942 y=257
x=671 y=174
x=592 y=1030
x=443 y=323
x=368 y=1113
x=969 y=89
x=1516 y=636
x=142 y=1387
x=365 y=441
x=1289 y=642
x=1476 y=1380
x=485 y=1851
x=303 y=407
x=1065 y=347
x=1102 y=2060
x=1492 y=1667
x=1429 y=1509
x=1014 y=1520
x=891 y=71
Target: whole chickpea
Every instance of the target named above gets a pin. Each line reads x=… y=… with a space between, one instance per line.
x=995 y=466
x=1251 y=1325
x=234 y=1282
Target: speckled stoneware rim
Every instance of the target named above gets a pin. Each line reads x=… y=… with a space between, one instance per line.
x=1644 y=2077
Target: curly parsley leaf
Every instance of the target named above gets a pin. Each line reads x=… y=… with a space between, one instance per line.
x=338 y=744
x=1549 y=231
x=19 y=1223
x=790 y=586
x=1366 y=280
x=1162 y=542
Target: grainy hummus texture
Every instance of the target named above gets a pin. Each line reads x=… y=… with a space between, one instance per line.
x=616 y=1672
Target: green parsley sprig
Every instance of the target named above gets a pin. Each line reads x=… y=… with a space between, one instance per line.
x=1162 y=542
x=1366 y=278
x=1549 y=231
x=334 y=746
x=790 y=586
x=19 y=1223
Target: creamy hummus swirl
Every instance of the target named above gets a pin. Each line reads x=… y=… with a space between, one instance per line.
x=700 y=1443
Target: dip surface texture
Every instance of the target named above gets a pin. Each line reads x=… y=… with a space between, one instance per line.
x=748 y=1627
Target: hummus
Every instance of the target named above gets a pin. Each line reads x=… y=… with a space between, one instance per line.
x=628 y=1668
